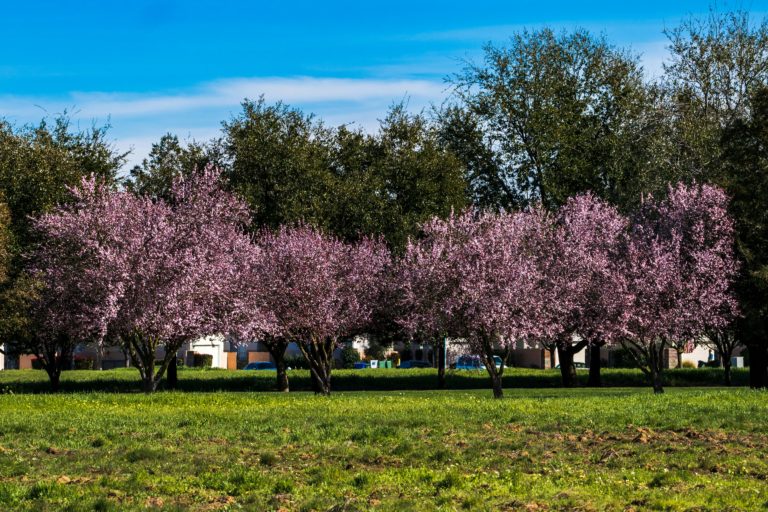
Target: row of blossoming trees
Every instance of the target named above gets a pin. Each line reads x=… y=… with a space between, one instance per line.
x=147 y=274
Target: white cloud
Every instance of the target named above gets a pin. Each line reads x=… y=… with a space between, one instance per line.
x=222 y=93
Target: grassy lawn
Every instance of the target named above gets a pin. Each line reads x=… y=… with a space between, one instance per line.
x=538 y=449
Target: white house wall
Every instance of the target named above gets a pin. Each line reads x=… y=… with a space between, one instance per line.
x=213 y=346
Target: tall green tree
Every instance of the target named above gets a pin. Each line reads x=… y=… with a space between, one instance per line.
x=280 y=163
x=564 y=113
x=460 y=131
x=745 y=176
x=168 y=159
x=714 y=87
x=37 y=165
x=716 y=64
x=412 y=177
x=292 y=168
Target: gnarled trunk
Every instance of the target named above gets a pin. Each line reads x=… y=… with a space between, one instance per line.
x=54 y=376
x=172 y=381
x=276 y=348
x=55 y=357
x=495 y=373
x=656 y=365
x=567 y=368
x=319 y=355
x=142 y=348
x=595 y=363
x=657 y=381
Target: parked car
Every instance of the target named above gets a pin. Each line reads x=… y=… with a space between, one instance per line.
x=474 y=363
x=415 y=364
x=468 y=363
x=577 y=365
x=260 y=365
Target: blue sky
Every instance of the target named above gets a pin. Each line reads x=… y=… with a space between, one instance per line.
x=150 y=67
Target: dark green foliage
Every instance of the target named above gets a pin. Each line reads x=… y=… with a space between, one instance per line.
x=202 y=360
x=376 y=349
x=291 y=168
x=717 y=63
x=280 y=164
x=411 y=178
x=85 y=363
x=170 y=159
x=745 y=177
x=38 y=163
x=563 y=113
x=297 y=363
x=349 y=356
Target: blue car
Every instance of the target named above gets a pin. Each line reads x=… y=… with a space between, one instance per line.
x=260 y=365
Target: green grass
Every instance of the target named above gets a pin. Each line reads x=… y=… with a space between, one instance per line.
x=127 y=380
x=537 y=449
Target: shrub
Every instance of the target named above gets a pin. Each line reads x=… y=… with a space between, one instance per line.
x=349 y=356
x=688 y=364
x=375 y=350
x=84 y=363
x=202 y=360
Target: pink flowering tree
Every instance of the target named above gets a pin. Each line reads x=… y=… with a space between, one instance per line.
x=587 y=281
x=150 y=273
x=426 y=284
x=319 y=290
x=679 y=266
x=477 y=276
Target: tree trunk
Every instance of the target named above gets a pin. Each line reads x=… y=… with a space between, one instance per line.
x=490 y=365
x=143 y=355
x=282 y=374
x=567 y=368
x=595 y=362
x=758 y=373
x=441 y=362
x=658 y=384
x=172 y=380
x=325 y=384
x=679 y=357
x=321 y=379
x=552 y=361
x=319 y=355
x=54 y=374
x=277 y=347
x=55 y=358
x=149 y=385
x=498 y=391
x=99 y=363
x=727 y=372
